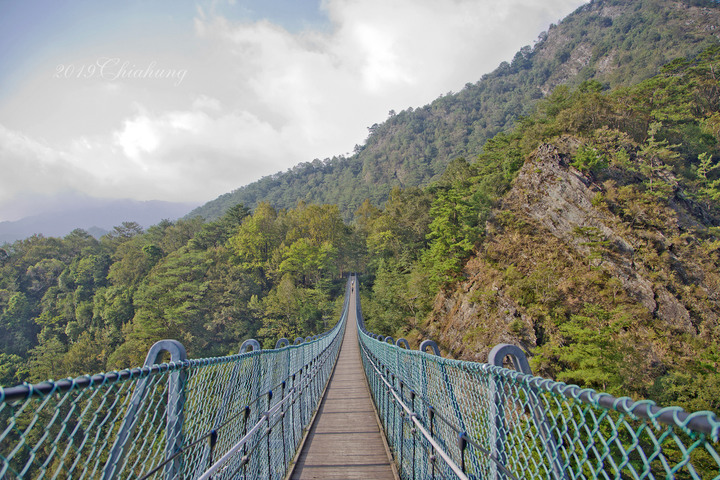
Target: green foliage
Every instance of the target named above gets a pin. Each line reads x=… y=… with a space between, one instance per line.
x=16 y=328
x=697 y=389
x=655 y=157
x=401 y=297
x=593 y=238
x=589 y=159
x=291 y=311
x=413 y=147
x=594 y=351
x=709 y=189
x=425 y=219
x=308 y=262
x=574 y=304
x=171 y=302
x=457 y=212
x=75 y=305
x=9 y=366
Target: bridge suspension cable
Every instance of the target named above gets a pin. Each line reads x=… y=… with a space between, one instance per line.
x=241 y=416
x=447 y=418
x=244 y=416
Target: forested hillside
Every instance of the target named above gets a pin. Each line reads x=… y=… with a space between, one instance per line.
x=588 y=233
x=617 y=42
x=74 y=305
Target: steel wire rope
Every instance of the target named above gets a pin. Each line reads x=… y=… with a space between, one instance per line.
x=273 y=410
x=701 y=427
x=414 y=416
x=213 y=431
x=448 y=460
x=93 y=429
x=263 y=419
x=696 y=425
x=462 y=433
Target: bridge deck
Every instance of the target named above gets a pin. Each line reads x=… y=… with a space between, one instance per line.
x=345 y=441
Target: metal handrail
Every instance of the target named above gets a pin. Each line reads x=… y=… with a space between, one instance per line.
x=413 y=415
x=130 y=424
x=499 y=423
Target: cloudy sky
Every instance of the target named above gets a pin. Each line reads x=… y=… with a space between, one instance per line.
x=185 y=100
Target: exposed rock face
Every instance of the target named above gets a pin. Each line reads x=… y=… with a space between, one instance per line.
x=561 y=200
x=582 y=53
x=477 y=318
x=558 y=208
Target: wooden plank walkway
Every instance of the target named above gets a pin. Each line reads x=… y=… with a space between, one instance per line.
x=345 y=441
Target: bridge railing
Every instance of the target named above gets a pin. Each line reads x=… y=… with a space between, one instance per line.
x=446 y=418
x=238 y=417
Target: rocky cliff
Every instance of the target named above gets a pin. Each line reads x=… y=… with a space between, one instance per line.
x=569 y=255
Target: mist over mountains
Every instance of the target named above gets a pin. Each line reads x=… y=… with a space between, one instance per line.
x=567 y=203
x=64 y=213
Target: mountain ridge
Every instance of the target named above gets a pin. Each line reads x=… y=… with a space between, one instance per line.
x=606 y=40
x=588 y=234
x=96 y=216
x=560 y=245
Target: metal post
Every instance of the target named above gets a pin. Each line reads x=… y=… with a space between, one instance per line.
x=174 y=412
x=462 y=445
x=230 y=390
x=293 y=415
x=302 y=394
x=412 y=432
x=456 y=406
x=257 y=384
x=402 y=427
x=245 y=420
x=282 y=422
x=211 y=446
x=269 y=432
x=429 y=344
x=431 y=417
x=499 y=352
x=392 y=400
x=520 y=362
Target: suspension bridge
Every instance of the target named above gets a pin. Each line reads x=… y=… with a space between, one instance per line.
x=345 y=404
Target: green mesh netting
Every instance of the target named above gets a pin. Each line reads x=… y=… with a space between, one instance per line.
x=175 y=420
x=489 y=422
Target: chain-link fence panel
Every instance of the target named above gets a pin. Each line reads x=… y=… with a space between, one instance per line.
x=241 y=416
x=446 y=418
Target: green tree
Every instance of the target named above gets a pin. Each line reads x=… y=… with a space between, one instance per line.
x=257 y=239
x=457 y=213
x=307 y=261
x=171 y=302
x=17 y=331
x=291 y=311
x=589 y=159
x=9 y=366
x=709 y=189
x=654 y=157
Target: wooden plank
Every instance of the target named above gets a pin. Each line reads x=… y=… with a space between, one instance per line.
x=345 y=441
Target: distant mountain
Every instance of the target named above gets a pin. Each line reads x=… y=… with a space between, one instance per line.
x=588 y=235
x=96 y=216
x=617 y=42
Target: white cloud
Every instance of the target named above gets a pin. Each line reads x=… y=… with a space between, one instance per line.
x=256 y=98
x=28 y=165
x=205 y=102
x=323 y=88
x=137 y=136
